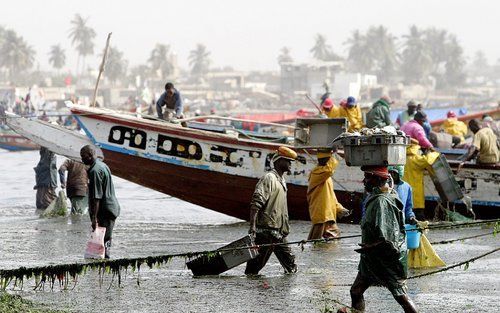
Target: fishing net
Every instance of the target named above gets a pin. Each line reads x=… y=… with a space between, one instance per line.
x=456 y=217
x=58 y=207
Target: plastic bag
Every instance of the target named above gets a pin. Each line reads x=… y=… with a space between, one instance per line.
x=95 y=246
x=425 y=256
x=58 y=207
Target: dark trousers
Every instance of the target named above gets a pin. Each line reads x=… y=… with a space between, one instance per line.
x=282 y=252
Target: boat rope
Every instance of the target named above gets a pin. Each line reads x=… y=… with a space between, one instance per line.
x=444 y=269
x=215 y=117
x=461 y=239
x=466 y=263
x=61 y=272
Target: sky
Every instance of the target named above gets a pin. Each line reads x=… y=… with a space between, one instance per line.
x=246 y=35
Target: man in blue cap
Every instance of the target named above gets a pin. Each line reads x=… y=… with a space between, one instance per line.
x=352 y=113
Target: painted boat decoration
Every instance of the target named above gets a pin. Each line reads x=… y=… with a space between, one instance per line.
x=219 y=169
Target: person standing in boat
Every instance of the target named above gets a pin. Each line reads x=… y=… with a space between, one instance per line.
x=454 y=127
x=172 y=100
x=103 y=205
x=383 y=260
x=324 y=208
x=415 y=130
x=379 y=115
x=416 y=164
x=46 y=179
x=76 y=185
x=269 y=215
x=484 y=145
x=352 y=113
x=408 y=114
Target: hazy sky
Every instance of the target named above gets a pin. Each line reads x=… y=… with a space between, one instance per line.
x=244 y=34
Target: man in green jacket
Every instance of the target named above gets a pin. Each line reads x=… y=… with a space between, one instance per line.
x=103 y=205
x=379 y=115
x=269 y=215
x=383 y=249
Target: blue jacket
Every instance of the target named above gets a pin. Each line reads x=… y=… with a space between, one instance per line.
x=405 y=194
x=161 y=102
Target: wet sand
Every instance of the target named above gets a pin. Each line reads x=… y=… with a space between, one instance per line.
x=152 y=223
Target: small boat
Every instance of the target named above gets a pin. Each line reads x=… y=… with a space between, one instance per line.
x=218 y=167
x=10 y=140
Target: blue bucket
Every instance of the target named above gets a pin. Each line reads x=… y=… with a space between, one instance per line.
x=412 y=236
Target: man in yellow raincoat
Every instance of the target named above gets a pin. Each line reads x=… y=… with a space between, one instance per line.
x=454 y=127
x=324 y=209
x=352 y=113
x=416 y=164
x=329 y=108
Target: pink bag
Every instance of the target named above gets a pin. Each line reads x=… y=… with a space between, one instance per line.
x=95 y=245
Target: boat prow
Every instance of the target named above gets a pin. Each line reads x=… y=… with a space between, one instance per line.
x=56 y=138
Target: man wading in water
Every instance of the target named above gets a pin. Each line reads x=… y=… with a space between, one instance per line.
x=269 y=215
x=383 y=249
x=103 y=205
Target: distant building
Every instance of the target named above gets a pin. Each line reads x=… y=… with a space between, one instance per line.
x=297 y=78
x=351 y=84
x=223 y=81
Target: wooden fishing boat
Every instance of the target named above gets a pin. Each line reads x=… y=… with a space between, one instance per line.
x=218 y=168
x=12 y=141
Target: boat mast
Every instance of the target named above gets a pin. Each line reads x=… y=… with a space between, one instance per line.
x=101 y=70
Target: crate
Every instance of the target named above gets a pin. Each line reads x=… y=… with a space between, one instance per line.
x=224 y=260
x=444 y=180
x=377 y=150
x=318 y=133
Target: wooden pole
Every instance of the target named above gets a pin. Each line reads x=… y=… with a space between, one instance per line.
x=101 y=70
x=314 y=103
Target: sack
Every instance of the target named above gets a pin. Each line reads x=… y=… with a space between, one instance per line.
x=425 y=256
x=58 y=207
x=95 y=246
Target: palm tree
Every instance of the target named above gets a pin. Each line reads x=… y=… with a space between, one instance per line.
x=382 y=45
x=159 y=60
x=116 y=66
x=57 y=57
x=138 y=74
x=416 y=57
x=320 y=50
x=436 y=42
x=360 y=55
x=455 y=63
x=199 y=60
x=82 y=37
x=285 y=56
x=480 y=64
x=16 y=54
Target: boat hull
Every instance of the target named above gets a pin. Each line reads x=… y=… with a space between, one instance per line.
x=14 y=142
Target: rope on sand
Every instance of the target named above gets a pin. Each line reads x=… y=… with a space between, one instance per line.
x=460 y=239
x=62 y=272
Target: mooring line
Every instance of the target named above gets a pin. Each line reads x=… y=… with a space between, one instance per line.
x=52 y=272
x=466 y=262
x=460 y=239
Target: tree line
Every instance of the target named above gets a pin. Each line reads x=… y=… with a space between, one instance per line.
x=421 y=56
x=17 y=57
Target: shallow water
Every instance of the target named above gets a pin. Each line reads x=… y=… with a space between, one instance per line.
x=152 y=223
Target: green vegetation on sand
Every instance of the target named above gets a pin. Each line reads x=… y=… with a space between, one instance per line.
x=16 y=304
